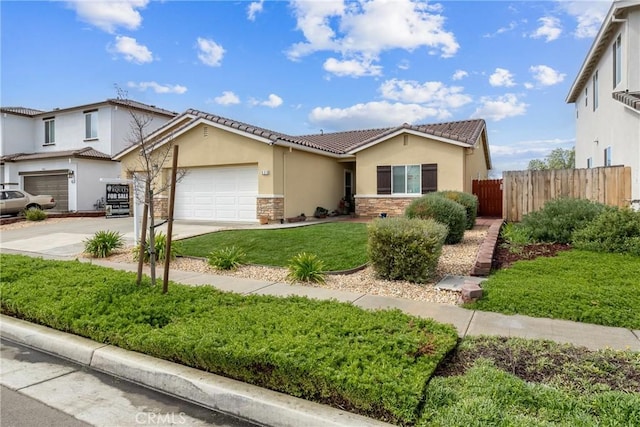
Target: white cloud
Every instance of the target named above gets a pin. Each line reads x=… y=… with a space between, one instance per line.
x=210 y=52
x=459 y=75
x=109 y=15
x=512 y=26
x=274 y=101
x=546 y=76
x=588 y=14
x=352 y=67
x=227 y=98
x=157 y=87
x=432 y=94
x=131 y=50
x=501 y=77
x=549 y=29
x=372 y=115
x=501 y=107
x=361 y=29
x=253 y=9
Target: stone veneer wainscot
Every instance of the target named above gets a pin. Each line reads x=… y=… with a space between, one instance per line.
x=370 y=207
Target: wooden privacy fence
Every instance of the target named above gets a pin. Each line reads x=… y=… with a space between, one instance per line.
x=489 y=193
x=528 y=191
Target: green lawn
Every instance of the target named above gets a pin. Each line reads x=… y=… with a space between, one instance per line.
x=340 y=245
x=590 y=287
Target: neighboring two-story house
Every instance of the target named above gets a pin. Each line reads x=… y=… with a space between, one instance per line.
x=66 y=151
x=606 y=93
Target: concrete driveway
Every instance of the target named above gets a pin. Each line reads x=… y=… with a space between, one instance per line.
x=65 y=238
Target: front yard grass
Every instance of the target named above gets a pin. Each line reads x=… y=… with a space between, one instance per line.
x=375 y=363
x=340 y=245
x=590 y=287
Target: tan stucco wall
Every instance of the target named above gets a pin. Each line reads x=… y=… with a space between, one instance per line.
x=476 y=167
x=450 y=160
x=309 y=180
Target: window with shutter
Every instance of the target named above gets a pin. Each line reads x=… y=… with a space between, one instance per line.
x=384 y=179
x=429 y=178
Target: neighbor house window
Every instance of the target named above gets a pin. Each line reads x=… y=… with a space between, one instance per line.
x=49 y=131
x=91 y=124
x=589 y=163
x=595 y=91
x=407 y=179
x=617 y=61
x=607 y=156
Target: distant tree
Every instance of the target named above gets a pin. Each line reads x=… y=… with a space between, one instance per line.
x=559 y=158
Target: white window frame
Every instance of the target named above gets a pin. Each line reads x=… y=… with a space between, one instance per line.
x=607 y=156
x=90 y=125
x=49 y=131
x=595 y=91
x=406 y=180
x=617 y=61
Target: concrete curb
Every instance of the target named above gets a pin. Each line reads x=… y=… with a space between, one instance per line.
x=246 y=401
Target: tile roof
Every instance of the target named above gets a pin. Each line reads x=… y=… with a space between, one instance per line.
x=21 y=111
x=84 y=153
x=255 y=130
x=632 y=99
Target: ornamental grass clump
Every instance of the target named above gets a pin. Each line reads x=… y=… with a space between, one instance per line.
x=405 y=249
x=443 y=210
x=103 y=243
x=35 y=214
x=160 y=240
x=227 y=258
x=306 y=267
x=468 y=201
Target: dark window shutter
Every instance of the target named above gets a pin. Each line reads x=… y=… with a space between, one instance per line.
x=429 y=178
x=384 y=179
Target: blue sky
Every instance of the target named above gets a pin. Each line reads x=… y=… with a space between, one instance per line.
x=300 y=67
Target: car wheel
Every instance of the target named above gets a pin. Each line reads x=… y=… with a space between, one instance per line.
x=33 y=207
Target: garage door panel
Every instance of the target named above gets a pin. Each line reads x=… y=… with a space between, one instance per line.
x=222 y=194
x=55 y=185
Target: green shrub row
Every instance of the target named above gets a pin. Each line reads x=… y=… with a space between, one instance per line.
x=405 y=249
x=584 y=224
x=468 y=201
x=443 y=210
x=376 y=363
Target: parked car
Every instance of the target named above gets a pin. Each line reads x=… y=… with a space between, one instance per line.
x=15 y=201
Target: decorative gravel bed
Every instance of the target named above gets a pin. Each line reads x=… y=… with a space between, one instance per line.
x=455 y=260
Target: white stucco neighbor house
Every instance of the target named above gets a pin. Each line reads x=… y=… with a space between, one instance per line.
x=606 y=94
x=66 y=151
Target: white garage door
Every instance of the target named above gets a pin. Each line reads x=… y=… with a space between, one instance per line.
x=218 y=194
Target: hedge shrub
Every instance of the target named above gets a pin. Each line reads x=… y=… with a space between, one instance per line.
x=443 y=210
x=405 y=249
x=468 y=201
x=375 y=363
x=614 y=230
x=558 y=218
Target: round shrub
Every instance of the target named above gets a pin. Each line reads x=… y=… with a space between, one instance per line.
x=614 y=230
x=405 y=249
x=468 y=201
x=34 y=214
x=443 y=210
x=558 y=219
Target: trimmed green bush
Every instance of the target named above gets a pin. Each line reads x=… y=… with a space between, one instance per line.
x=227 y=258
x=376 y=363
x=468 y=201
x=34 y=214
x=161 y=248
x=405 y=249
x=443 y=210
x=614 y=230
x=306 y=267
x=558 y=218
x=103 y=243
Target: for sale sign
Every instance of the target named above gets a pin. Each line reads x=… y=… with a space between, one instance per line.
x=117 y=200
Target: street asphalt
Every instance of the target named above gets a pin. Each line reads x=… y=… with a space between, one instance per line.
x=257 y=405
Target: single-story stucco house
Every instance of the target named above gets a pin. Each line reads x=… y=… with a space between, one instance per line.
x=239 y=172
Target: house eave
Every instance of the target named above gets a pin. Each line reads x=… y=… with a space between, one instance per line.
x=400 y=131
